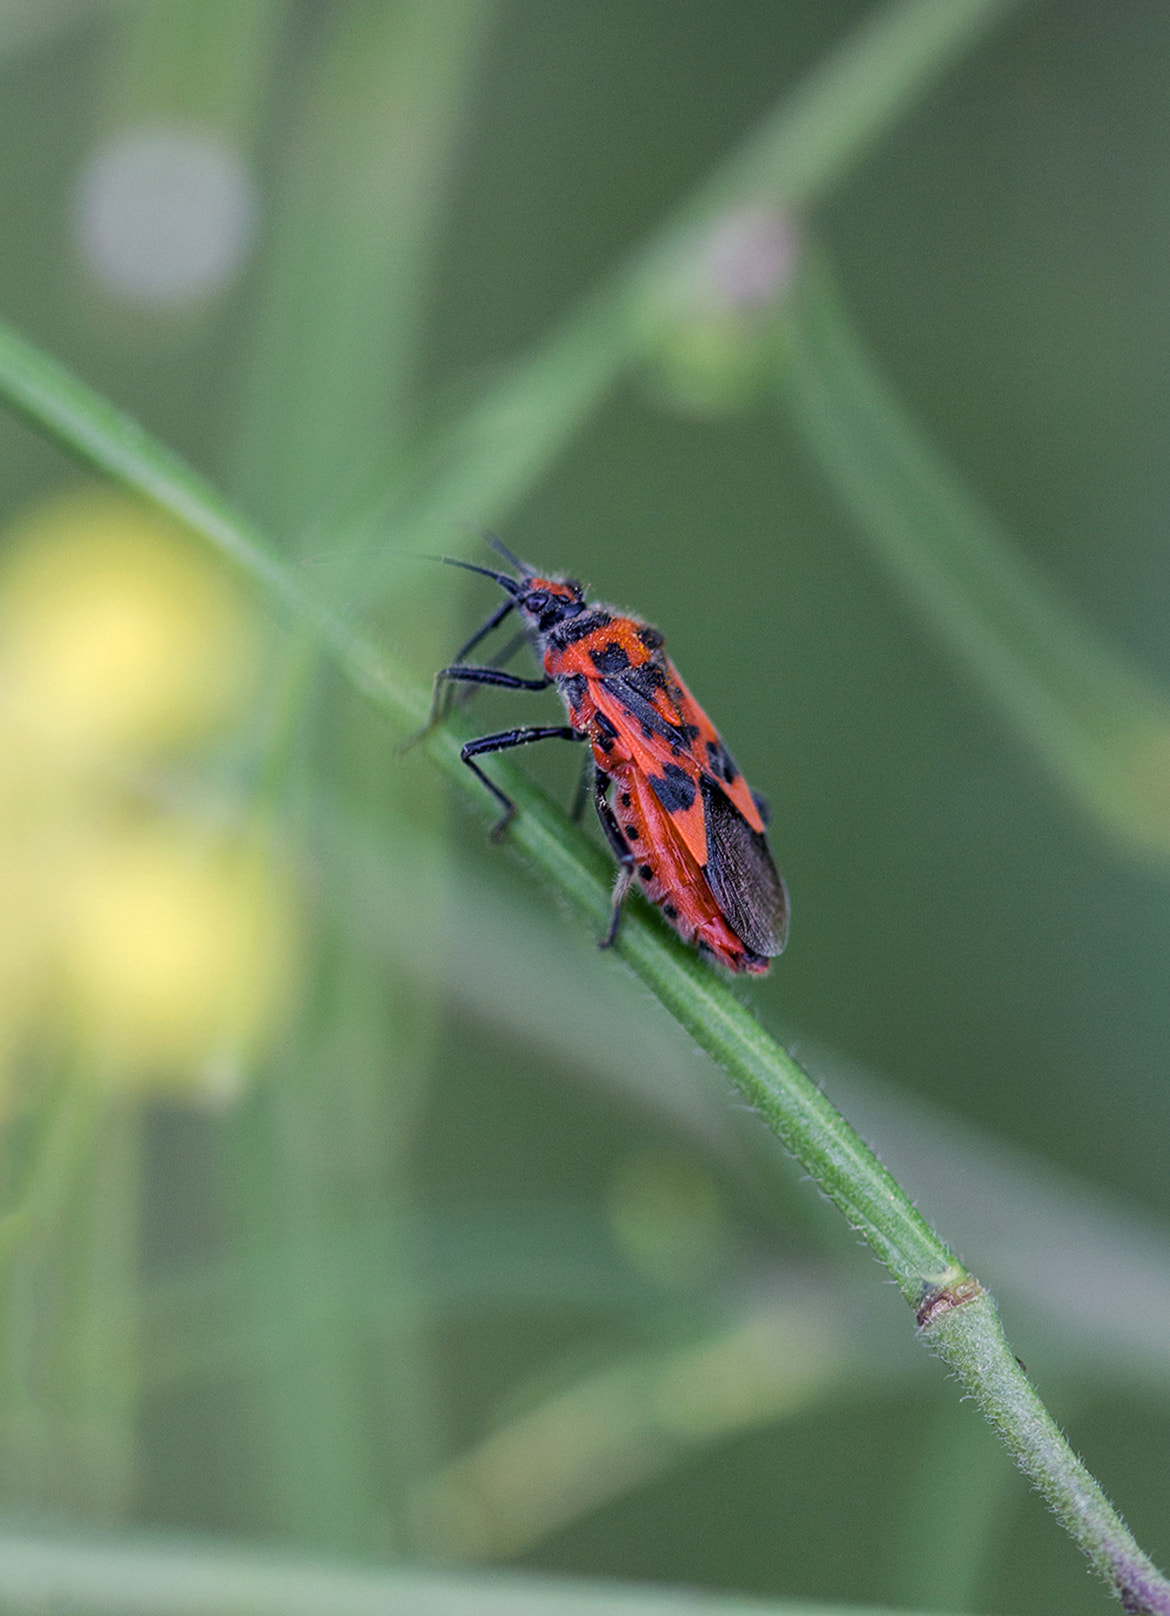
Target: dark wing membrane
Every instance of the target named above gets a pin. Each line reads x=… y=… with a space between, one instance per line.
x=740 y=873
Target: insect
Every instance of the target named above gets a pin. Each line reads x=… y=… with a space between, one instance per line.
x=674 y=807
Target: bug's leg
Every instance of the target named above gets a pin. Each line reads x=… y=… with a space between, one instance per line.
x=473 y=676
x=440 y=700
x=459 y=673
x=621 y=851
x=500 y=743
x=461 y=697
x=485 y=629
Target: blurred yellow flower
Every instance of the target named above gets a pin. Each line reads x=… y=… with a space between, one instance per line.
x=159 y=950
x=174 y=950
x=116 y=631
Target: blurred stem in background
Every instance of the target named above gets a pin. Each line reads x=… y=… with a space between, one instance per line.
x=1099 y=726
x=204 y=63
x=71 y=1244
x=68 y=1311
x=167 y=197
x=492 y=455
x=959 y=1503
x=154 y=1578
x=329 y=388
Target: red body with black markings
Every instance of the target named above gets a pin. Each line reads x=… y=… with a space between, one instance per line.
x=675 y=808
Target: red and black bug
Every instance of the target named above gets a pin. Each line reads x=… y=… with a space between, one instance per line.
x=675 y=809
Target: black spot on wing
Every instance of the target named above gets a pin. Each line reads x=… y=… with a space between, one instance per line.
x=722 y=764
x=650 y=637
x=674 y=788
x=742 y=876
x=610 y=658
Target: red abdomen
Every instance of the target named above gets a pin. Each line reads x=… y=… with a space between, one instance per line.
x=669 y=873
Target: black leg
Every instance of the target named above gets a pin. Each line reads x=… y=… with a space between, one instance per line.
x=459 y=674
x=501 y=743
x=473 y=676
x=490 y=676
x=485 y=629
x=621 y=851
x=462 y=697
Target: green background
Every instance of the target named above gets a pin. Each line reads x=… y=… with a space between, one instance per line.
x=400 y=1236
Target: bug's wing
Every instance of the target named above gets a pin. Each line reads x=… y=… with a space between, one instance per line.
x=712 y=755
x=653 y=738
x=670 y=739
x=740 y=873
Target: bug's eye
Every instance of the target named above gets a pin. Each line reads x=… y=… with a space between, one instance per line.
x=536 y=602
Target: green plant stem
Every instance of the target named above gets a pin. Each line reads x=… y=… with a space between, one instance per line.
x=956 y=1317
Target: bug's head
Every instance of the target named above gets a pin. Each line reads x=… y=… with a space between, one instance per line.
x=541 y=602
x=545 y=602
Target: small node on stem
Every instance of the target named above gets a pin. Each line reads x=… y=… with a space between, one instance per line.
x=939 y=1299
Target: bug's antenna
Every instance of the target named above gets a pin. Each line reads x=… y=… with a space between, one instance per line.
x=501 y=548
x=501 y=578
